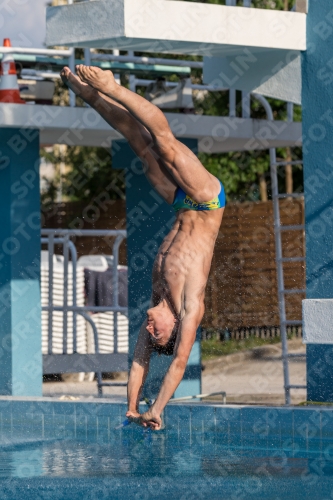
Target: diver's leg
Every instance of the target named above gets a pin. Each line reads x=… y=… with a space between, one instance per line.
x=137 y=135
x=182 y=164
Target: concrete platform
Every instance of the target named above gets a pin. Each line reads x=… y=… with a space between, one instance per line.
x=174 y=27
x=248 y=49
x=82 y=126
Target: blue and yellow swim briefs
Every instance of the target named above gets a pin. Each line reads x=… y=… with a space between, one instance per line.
x=182 y=200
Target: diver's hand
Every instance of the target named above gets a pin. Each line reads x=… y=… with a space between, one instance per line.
x=151 y=419
x=134 y=416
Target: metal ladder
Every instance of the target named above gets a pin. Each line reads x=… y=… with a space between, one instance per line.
x=282 y=291
x=278 y=228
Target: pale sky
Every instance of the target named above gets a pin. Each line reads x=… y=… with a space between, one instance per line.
x=23 y=21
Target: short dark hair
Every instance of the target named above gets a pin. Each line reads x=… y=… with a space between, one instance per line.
x=168 y=348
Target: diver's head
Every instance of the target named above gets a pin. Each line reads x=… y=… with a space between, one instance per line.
x=163 y=327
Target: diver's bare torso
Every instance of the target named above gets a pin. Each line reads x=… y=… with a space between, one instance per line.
x=184 y=258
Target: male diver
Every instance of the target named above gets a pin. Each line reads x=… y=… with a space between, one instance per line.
x=183 y=261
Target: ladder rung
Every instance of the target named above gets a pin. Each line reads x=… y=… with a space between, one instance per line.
x=291 y=259
x=297 y=227
x=293 y=290
x=296 y=355
x=291 y=195
x=283 y=163
x=292 y=323
x=295 y=387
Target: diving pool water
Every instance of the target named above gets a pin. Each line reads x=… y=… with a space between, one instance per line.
x=57 y=450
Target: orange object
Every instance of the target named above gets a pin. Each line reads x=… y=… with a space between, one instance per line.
x=9 y=89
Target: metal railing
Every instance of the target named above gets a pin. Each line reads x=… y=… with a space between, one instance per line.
x=67 y=363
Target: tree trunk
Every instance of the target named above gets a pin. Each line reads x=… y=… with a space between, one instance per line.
x=263 y=187
x=289 y=174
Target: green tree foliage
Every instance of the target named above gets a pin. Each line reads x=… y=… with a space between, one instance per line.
x=88 y=174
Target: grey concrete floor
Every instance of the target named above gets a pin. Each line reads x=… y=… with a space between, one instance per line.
x=251 y=377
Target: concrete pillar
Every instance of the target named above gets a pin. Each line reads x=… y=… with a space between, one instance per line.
x=317 y=99
x=149 y=219
x=20 y=310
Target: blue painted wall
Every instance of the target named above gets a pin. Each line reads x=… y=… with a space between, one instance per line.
x=317 y=98
x=20 y=312
x=149 y=219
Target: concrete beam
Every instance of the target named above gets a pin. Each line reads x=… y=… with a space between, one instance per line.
x=84 y=127
x=270 y=73
x=174 y=27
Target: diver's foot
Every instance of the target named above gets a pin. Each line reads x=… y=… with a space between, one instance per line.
x=101 y=80
x=81 y=89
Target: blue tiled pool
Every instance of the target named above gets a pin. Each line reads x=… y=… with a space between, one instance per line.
x=65 y=450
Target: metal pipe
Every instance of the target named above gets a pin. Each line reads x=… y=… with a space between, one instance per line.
x=290 y=111
x=279 y=253
x=116 y=75
x=87 y=62
x=115 y=287
x=37 y=52
x=246 y=105
x=132 y=79
x=232 y=103
x=144 y=83
x=28 y=73
x=95 y=333
x=147 y=60
x=71 y=64
x=72 y=248
x=280 y=277
x=50 y=301
x=87 y=57
x=65 y=306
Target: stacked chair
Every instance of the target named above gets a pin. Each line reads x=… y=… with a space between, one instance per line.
x=58 y=300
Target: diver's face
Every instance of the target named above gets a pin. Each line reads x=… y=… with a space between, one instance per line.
x=160 y=324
